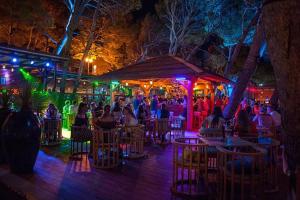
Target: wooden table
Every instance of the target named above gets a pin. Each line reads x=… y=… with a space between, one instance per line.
x=218 y=141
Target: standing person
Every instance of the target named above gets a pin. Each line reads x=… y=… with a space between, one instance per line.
x=164 y=114
x=66 y=110
x=242 y=124
x=154 y=105
x=136 y=103
x=73 y=109
x=141 y=114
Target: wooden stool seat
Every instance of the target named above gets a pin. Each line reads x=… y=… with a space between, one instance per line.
x=106 y=150
x=51 y=133
x=189 y=168
x=80 y=136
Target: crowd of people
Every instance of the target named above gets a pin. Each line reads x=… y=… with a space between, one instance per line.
x=251 y=118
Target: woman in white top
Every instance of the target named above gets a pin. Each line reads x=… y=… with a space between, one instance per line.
x=130 y=119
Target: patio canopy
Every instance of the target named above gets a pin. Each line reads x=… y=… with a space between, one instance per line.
x=162 y=67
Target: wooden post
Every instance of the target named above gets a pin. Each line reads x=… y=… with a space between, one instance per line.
x=190 y=102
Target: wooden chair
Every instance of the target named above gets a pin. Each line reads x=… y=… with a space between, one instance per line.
x=80 y=136
x=133 y=142
x=163 y=128
x=240 y=172
x=190 y=168
x=177 y=129
x=51 y=132
x=271 y=161
x=106 y=151
x=211 y=150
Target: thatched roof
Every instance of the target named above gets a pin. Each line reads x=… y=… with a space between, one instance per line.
x=162 y=67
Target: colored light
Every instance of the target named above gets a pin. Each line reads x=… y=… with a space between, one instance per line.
x=206 y=86
x=6 y=75
x=126 y=84
x=95 y=67
x=229 y=85
x=32 y=62
x=47 y=64
x=180 y=79
x=161 y=88
x=3 y=67
x=195 y=83
x=261 y=84
x=151 y=82
x=14 y=60
x=12 y=70
x=145 y=86
x=87 y=60
x=115 y=82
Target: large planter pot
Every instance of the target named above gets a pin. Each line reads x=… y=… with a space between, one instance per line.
x=4 y=112
x=21 y=139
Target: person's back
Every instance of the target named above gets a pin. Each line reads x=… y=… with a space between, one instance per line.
x=276 y=118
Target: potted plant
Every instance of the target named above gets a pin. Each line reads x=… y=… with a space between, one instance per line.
x=21 y=134
x=4 y=112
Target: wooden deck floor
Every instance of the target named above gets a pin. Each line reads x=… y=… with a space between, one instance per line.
x=57 y=177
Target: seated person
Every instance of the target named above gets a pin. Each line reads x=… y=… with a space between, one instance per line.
x=106 y=121
x=117 y=112
x=52 y=112
x=213 y=123
x=243 y=124
x=130 y=119
x=164 y=113
x=262 y=119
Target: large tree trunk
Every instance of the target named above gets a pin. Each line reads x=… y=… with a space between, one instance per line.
x=281 y=20
x=72 y=24
x=238 y=47
x=88 y=44
x=245 y=75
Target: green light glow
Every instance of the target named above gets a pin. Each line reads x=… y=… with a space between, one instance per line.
x=115 y=82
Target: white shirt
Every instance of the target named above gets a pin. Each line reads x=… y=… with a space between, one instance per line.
x=276 y=118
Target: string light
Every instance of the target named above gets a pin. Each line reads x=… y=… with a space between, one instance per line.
x=126 y=84
x=47 y=64
x=14 y=60
x=195 y=83
x=151 y=82
x=145 y=86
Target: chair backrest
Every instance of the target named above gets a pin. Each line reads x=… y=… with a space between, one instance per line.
x=211 y=132
x=51 y=125
x=79 y=132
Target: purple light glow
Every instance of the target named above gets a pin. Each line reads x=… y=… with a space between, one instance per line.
x=180 y=79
